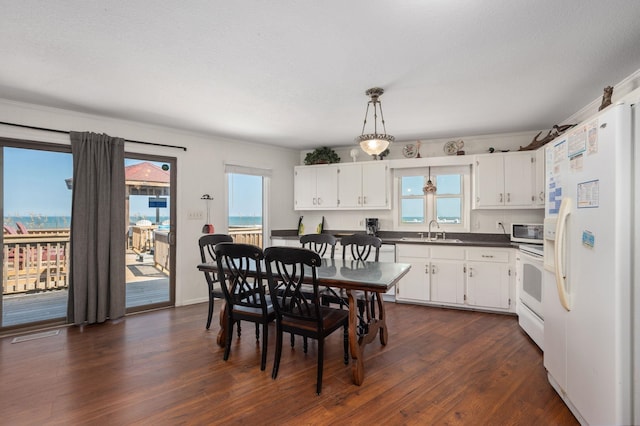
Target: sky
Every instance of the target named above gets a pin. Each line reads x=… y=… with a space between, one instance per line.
x=34 y=184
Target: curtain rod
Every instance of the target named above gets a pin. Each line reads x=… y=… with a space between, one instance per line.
x=67 y=132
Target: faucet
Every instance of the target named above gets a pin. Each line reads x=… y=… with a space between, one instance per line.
x=431 y=223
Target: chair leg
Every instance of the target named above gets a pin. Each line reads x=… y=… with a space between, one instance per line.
x=320 y=364
x=276 y=359
x=257 y=332
x=293 y=340
x=210 y=311
x=227 y=346
x=265 y=341
x=239 y=329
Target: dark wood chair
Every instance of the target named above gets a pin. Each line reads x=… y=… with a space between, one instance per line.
x=320 y=243
x=287 y=270
x=207 y=245
x=362 y=247
x=241 y=278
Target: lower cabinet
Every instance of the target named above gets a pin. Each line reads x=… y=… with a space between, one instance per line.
x=489 y=278
x=415 y=286
x=457 y=276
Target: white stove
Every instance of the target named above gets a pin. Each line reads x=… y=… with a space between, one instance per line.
x=530 y=272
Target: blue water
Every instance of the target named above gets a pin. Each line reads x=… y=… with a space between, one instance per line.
x=61 y=222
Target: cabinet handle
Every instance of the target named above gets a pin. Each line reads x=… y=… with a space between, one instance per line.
x=501 y=198
x=508 y=197
x=433 y=269
x=541 y=196
x=470 y=271
x=359 y=200
x=426 y=269
x=487 y=256
x=314 y=201
x=319 y=200
x=364 y=200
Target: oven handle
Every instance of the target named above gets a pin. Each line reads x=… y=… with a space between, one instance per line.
x=559 y=252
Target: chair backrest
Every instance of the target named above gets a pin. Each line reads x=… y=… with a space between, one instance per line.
x=208 y=243
x=320 y=243
x=286 y=274
x=21 y=228
x=240 y=275
x=361 y=246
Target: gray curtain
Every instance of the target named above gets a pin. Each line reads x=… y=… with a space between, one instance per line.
x=97 y=276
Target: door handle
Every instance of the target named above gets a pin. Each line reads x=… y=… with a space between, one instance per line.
x=559 y=252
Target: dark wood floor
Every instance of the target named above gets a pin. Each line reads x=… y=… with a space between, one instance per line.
x=440 y=367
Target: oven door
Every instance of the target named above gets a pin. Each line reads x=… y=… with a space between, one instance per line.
x=529 y=309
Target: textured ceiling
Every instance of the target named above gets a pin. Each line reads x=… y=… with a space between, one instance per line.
x=293 y=73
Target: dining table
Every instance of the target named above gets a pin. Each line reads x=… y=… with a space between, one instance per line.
x=356 y=278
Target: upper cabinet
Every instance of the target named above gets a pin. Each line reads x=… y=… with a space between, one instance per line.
x=363 y=185
x=506 y=180
x=352 y=186
x=316 y=187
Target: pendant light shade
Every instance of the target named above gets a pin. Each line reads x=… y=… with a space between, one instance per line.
x=374 y=143
x=429 y=188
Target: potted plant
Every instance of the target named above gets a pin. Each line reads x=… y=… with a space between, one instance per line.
x=324 y=155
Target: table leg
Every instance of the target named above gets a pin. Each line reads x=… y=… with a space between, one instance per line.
x=220 y=340
x=356 y=342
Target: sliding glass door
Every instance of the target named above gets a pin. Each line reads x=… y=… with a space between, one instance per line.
x=36 y=213
x=150 y=212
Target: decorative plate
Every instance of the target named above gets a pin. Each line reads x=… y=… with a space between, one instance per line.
x=409 y=151
x=451 y=147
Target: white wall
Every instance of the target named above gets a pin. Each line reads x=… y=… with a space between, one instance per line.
x=200 y=170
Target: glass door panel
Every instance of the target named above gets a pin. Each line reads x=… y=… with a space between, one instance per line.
x=36 y=210
x=149 y=250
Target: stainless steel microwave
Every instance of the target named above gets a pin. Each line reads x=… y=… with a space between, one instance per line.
x=531 y=233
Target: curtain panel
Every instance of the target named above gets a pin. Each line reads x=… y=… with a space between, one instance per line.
x=98 y=229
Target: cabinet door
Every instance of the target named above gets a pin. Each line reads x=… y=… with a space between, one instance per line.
x=447 y=281
x=414 y=286
x=374 y=185
x=518 y=179
x=488 y=284
x=350 y=186
x=304 y=188
x=489 y=175
x=539 y=178
x=326 y=187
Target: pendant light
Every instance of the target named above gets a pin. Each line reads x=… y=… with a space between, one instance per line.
x=429 y=188
x=374 y=143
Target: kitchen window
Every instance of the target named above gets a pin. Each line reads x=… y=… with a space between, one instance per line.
x=449 y=205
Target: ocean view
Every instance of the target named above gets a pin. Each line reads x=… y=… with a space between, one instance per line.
x=61 y=222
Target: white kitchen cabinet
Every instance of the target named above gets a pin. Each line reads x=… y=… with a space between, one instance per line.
x=414 y=286
x=539 y=178
x=364 y=185
x=289 y=242
x=447 y=274
x=489 y=279
x=505 y=180
x=316 y=187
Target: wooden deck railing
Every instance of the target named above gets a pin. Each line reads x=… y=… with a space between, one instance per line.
x=40 y=260
x=35 y=261
x=247 y=235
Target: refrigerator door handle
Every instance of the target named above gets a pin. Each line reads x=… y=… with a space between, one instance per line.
x=559 y=252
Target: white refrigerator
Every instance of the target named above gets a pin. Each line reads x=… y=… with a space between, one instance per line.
x=591 y=256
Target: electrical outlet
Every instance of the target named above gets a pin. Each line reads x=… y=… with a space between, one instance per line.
x=195 y=215
x=499 y=225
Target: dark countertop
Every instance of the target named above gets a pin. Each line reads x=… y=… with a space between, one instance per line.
x=396 y=237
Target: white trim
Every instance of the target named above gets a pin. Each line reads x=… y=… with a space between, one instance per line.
x=247 y=170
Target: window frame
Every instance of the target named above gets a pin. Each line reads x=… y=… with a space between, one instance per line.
x=429 y=200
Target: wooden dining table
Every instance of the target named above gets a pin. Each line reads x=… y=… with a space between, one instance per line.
x=372 y=278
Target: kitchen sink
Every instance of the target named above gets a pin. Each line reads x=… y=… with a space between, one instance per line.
x=426 y=240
